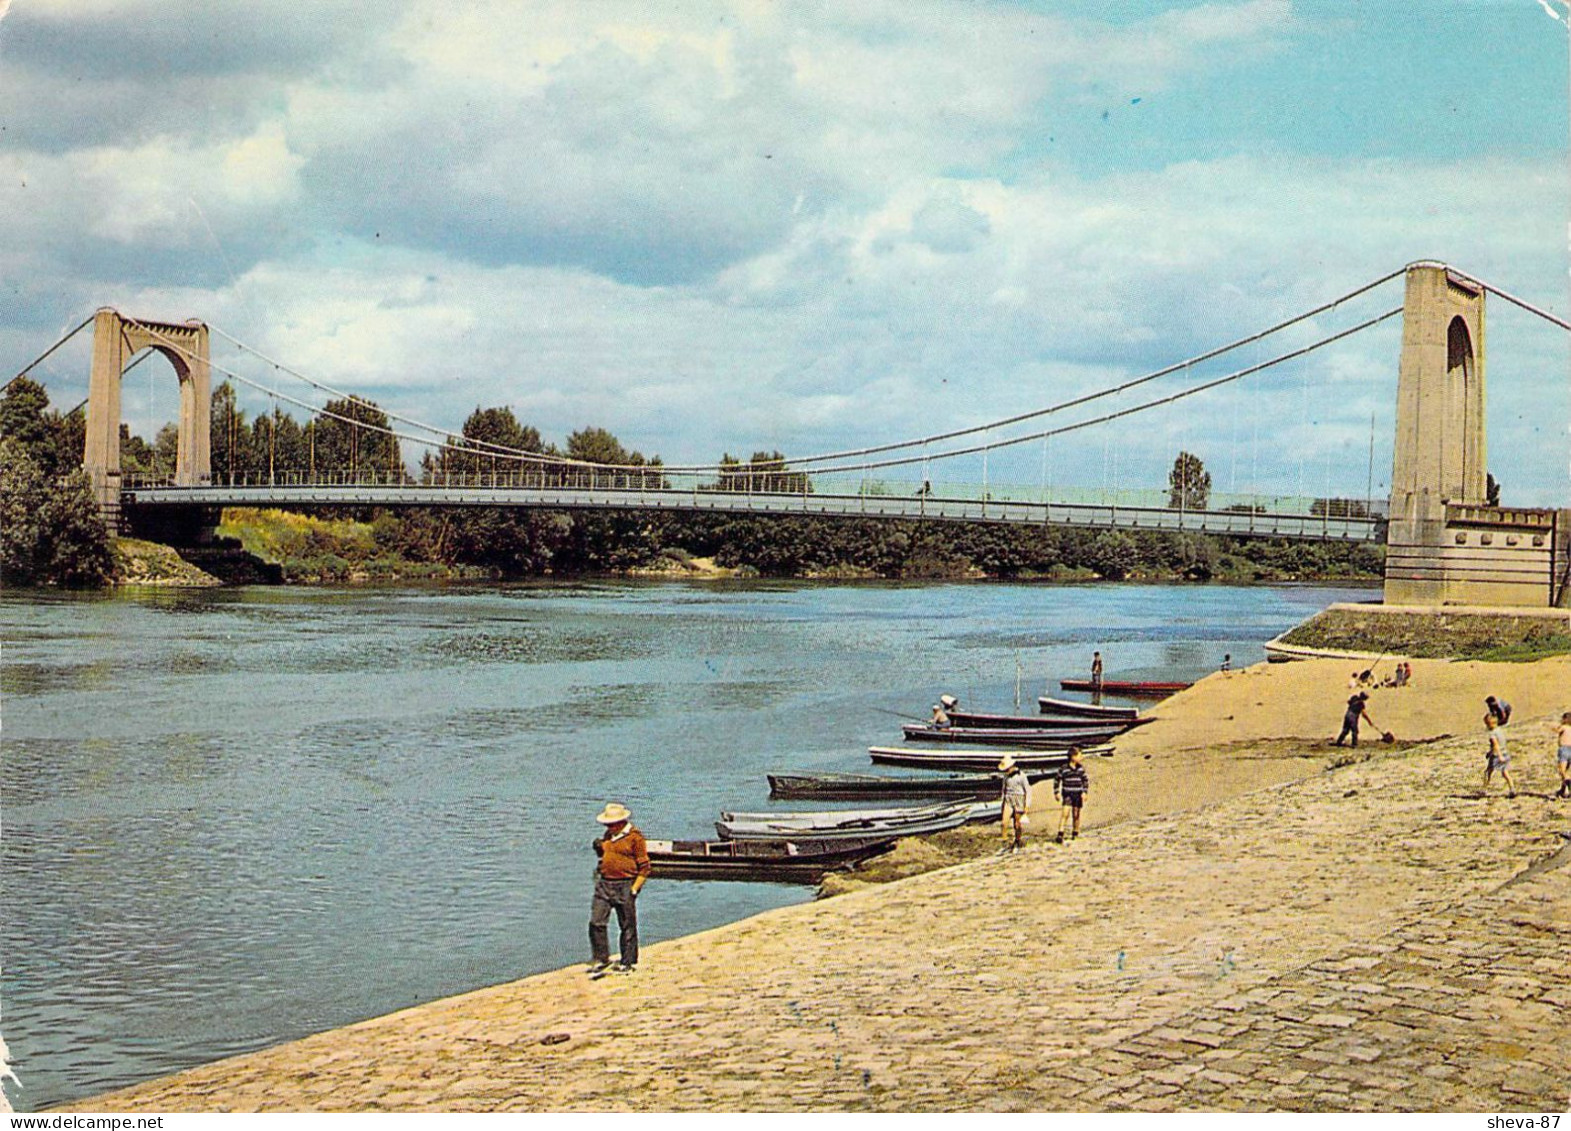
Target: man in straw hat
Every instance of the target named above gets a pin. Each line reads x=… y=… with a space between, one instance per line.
x=1016 y=800
x=623 y=870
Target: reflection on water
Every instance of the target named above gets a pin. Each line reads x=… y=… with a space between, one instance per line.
x=234 y=817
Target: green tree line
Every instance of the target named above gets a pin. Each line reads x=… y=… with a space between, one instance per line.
x=50 y=522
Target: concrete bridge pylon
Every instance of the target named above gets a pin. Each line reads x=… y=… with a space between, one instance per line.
x=117 y=339
x=1446 y=544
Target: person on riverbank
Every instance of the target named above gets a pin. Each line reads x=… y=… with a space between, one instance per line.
x=1016 y=802
x=1563 y=754
x=1354 y=714
x=1070 y=787
x=622 y=871
x=1096 y=671
x=1499 y=758
x=1498 y=709
x=1227 y=662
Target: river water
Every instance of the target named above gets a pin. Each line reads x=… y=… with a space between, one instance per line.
x=233 y=817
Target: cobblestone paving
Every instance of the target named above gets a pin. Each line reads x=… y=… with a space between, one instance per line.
x=1377 y=937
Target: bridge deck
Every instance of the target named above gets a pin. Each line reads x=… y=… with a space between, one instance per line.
x=1107 y=517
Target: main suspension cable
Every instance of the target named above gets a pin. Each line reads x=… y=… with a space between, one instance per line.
x=28 y=368
x=1132 y=410
x=799 y=461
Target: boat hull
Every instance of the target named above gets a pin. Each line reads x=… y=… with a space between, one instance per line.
x=1060 y=707
x=1061 y=739
x=966 y=759
x=896 y=827
x=1134 y=688
x=1066 y=721
x=779 y=861
x=862 y=787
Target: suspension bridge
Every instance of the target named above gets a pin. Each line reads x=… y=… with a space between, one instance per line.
x=1444 y=542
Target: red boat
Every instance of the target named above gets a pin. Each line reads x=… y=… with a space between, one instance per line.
x=1136 y=688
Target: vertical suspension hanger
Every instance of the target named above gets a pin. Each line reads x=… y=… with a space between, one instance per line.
x=1369 y=484
x=987 y=446
x=272 y=444
x=1303 y=415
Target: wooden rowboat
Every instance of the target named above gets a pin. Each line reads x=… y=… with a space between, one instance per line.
x=1136 y=688
x=1060 y=739
x=766 y=861
x=1028 y=760
x=858 y=787
x=1060 y=707
x=1041 y=722
x=848 y=823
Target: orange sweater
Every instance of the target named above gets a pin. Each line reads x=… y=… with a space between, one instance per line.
x=624 y=857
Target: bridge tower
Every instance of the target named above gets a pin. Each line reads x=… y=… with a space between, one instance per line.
x=1445 y=544
x=115 y=341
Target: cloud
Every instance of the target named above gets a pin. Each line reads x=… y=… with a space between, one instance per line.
x=715 y=226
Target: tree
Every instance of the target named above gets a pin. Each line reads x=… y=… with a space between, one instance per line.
x=231 y=448
x=1188 y=484
x=53 y=442
x=596 y=445
x=765 y=471
x=490 y=426
x=355 y=440
x=23 y=414
x=50 y=533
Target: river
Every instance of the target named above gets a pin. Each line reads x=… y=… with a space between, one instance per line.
x=233 y=817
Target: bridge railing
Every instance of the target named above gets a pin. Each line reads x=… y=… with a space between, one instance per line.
x=776 y=484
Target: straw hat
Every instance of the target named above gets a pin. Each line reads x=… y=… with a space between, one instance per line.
x=614 y=813
x=1007 y=764
x=948 y=700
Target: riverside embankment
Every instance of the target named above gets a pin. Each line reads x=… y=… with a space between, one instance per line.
x=1379 y=934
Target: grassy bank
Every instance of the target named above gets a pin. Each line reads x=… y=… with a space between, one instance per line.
x=330 y=550
x=150 y=563
x=1449 y=636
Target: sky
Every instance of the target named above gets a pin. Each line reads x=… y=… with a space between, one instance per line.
x=725 y=227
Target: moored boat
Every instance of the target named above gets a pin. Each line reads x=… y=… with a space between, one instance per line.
x=1041 y=722
x=1060 y=739
x=916 y=821
x=769 y=861
x=1029 y=760
x=1072 y=707
x=826 y=786
x=1131 y=687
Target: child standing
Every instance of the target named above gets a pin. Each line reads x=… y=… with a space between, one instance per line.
x=1563 y=754
x=1499 y=758
x=1070 y=787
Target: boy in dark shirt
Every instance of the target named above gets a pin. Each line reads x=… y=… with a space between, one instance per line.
x=1352 y=716
x=1070 y=788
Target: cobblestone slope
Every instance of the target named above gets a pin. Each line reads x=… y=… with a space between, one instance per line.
x=1378 y=937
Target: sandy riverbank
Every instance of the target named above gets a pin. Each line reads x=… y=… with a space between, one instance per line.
x=1253 y=919
x=1236 y=732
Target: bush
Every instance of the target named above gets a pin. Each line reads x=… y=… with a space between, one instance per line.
x=50 y=533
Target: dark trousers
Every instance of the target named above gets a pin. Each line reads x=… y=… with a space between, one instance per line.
x=616 y=894
x=1349 y=727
